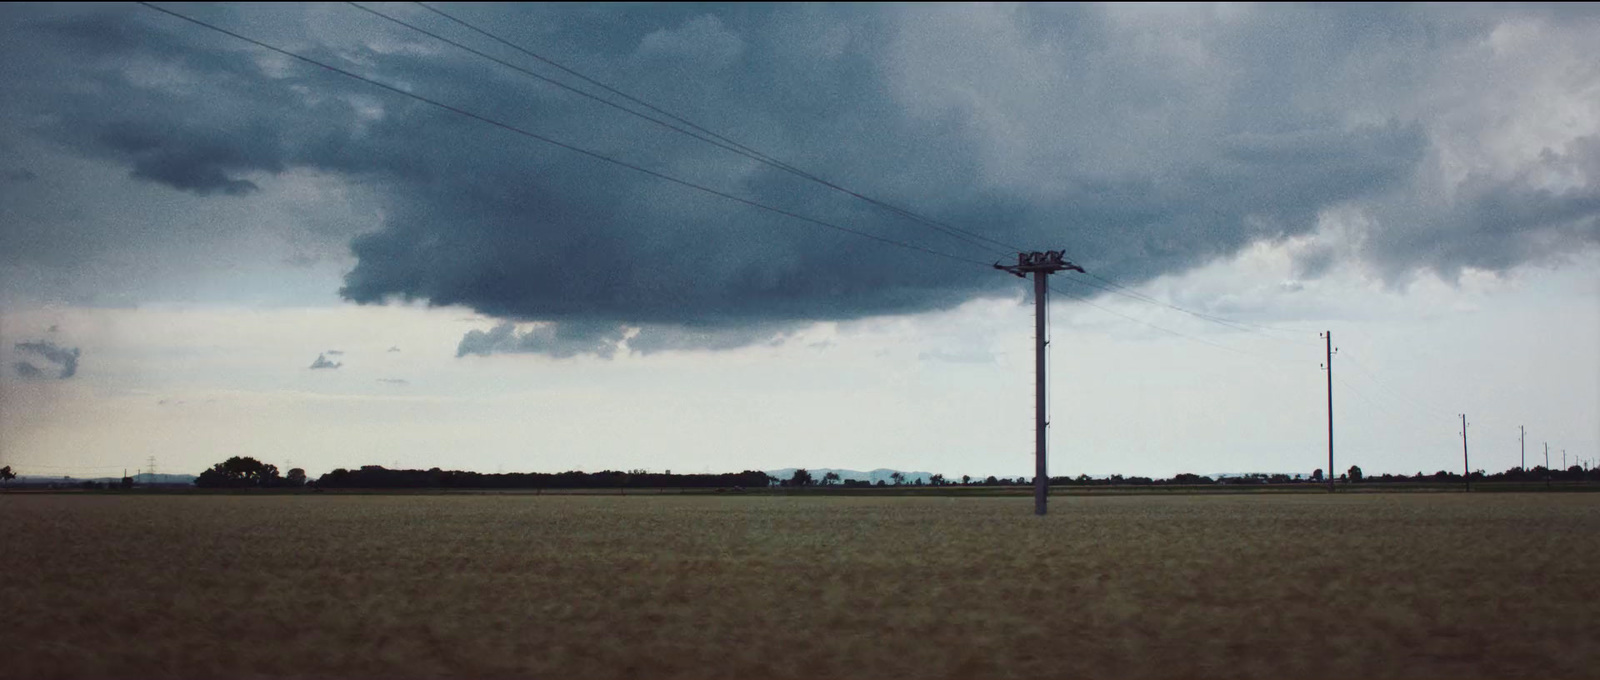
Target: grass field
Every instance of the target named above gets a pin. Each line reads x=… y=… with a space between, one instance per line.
x=325 y=585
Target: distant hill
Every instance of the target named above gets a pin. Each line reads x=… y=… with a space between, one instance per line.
x=145 y=479
x=873 y=477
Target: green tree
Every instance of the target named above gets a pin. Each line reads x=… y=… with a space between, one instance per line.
x=1354 y=473
x=801 y=477
x=830 y=478
x=6 y=474
x=898 y=477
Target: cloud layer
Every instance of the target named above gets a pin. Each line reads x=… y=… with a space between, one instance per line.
x=1143 y=141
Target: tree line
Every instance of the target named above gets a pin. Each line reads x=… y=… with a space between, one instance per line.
x=246 y=472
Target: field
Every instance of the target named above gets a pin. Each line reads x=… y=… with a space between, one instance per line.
x=325 y=585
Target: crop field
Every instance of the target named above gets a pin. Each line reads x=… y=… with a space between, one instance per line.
x=326 y=585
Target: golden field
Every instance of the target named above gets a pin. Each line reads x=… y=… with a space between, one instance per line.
x=1437 y=585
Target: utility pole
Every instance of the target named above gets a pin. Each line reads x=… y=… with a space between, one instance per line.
x=1327 y=336
x=1522 y=439
x=1547 y=458
x=1466 y=467
x=1041 y=265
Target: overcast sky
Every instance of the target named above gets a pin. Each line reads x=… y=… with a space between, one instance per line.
x=208 y=248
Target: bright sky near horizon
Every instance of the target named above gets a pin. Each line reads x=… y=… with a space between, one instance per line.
x=211 y=249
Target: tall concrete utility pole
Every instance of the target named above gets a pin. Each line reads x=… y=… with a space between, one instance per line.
x=1328 y=337
x=1041 y=265
x=1466 y=468
x=1522 y=438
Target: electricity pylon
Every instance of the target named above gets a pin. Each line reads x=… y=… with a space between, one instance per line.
x=1041 y=265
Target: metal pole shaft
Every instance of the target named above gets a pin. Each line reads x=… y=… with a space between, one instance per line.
x=1041 y=482
x=1466 y=467
x=1329 y=337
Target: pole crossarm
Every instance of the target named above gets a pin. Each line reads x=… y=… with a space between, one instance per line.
x=1048 y=262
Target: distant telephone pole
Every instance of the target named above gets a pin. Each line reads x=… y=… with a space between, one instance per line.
x=1547 y=465
x=1041 y=265
x=1327 y=336
x=1466 y=467
x=1522 y=439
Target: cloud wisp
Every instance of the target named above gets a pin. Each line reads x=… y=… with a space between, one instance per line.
x=65 y=360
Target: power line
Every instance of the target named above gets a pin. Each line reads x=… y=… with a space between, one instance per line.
x=1114 y=288
x=1119 y=289
x=685 y=183
x=570 y=147
x=1371 y=375
x=701 y=133
x=1163 y=329
x=726 y=143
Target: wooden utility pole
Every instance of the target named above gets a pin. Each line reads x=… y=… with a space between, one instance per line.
x=1522 y=439
x=1041 y=266
x=1327 y=336
x=1466 y=468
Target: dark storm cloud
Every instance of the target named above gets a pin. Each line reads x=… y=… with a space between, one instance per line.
x=64 y=358
x=322 y=362
x=1499 y=223
x=1063 y=127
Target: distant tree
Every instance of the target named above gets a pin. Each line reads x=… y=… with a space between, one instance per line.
x=297 y=477
x=898 y=477
x=801 y=477
x=936 y=480
x=6 y=474
x=830 y=478
x=237 y=471
x=1355 y=473
x=991 y=481
x=1316 y=475
x=880 y=483
x=965 y=480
